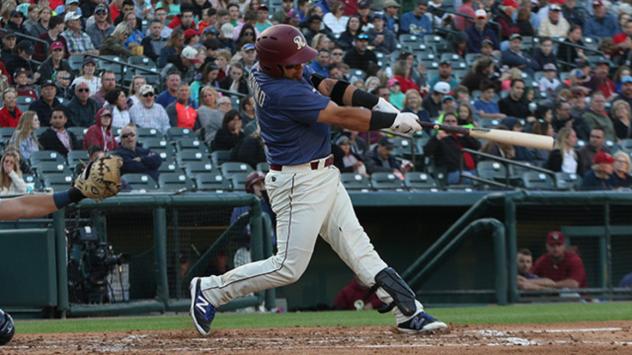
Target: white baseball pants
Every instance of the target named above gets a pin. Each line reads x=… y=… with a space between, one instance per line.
x=307 y=203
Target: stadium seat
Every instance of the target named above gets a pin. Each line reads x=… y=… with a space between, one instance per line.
x=491 y=170
x=58 y=182
x=172 y=182
x=76 y=156
x=537 y=181
x=355 y=182
x=154 y=143
x=175 y=133
x=24 y=102
x=141 y=61
x=44 y=168
x=410 y=38
x=220 y=156
x=419 y=181
x=46 y=156
x=263 y=167
x=191 y=144
x=31 y=179
x=140 y=182
x=386 y=182
x=148 y=133
x=231 y=168
x=189 y=155
x=626 y=144
x=6 y=133
x=193 y=168
x=212 y=182
x=238 y=181
x=169 y=167
x=79 y=132
x=357 y=73
x=75 y=62
x=566 y=181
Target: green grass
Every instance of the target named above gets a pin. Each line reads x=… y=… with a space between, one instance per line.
x=538 y=313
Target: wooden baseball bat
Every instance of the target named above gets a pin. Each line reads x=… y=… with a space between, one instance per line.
x=499 y=135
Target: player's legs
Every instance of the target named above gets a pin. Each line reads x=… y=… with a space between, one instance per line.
x=301 y=206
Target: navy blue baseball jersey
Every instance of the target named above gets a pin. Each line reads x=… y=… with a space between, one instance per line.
x=287 y=112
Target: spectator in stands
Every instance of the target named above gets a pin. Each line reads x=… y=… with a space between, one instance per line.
x=554 y=25
x=514 y=57
x=568 y=55
x=526 y=279
x=600 y=177
x=136 y=160
x=88 y=69
x=24 y=53
x=24 y=138
x=597 y=116
x=626 y=91
x=181 y=113
x=186 y=64
x=46 y=103
x=549 y=83
x=23 y=85
x=575 y=15
x=600 y=80
x=11 y=182
x=335 y=19
x=149 y=114
x=236 y=82
x=100 y=133
x=565 y=157
x=321 y=41
x=55 y=28
x=356 y=296
x=446 y=149
x=40 y=26
x=230 y=134
x=445 y=75
x=345 y=159
x=481 y=75
x=102 y=27
x=154 y=42
x=588 y=151
x=559 y=264
x=62 y=81
x=380 y=158
x=601 y=24
x=417 y=22
x=135 y=36
x=116 y=102
x=433 y=102
x=391 y=11
x=621 y=175
x=515 y=105
x=54 y=63
x=168 y=96
x=284 y=12
x=479 y=32
x=250 y=150
x=486 y=106
x=621 y=53
x=172 y=49
x=544 y=53
x=248 y=57
x=412 y=103
x=114 y=43
x=81 y=109
x=360 y=57
x=15 y=22
x=402 y=74
x=505 y=19
x=381 y=38
x=77 y=41
x=10 y=112
x=209 y=115
x=134 y=90
x=191 y=37
x=209 y=78
x=247 y=111
x=622 y=71
x=56 y=137
x=465 y=115
x=621 y=115
x=320 y=65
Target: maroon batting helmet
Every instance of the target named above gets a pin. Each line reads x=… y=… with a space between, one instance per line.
x=281 y=45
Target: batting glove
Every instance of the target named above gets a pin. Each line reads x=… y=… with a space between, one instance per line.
x=406 y=122
x=385 y=106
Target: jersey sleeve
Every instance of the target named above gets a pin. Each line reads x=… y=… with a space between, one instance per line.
x=576 y=270
x=302 y=103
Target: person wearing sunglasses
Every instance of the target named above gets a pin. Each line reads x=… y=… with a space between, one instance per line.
x=82 y=109
x=136 y=159
x=148 y=113
x=295 y=111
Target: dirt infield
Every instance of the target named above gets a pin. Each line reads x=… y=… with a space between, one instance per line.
x=561 y=338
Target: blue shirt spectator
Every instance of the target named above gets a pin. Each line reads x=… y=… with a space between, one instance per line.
x=416 y=22
x=480 y=31
x=137 y=160
x=601 y=24
x=515 y=58
x=320 y=65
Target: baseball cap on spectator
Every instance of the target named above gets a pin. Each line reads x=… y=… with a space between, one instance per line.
x=223 y=100
x=515 y=36
x=26 y=46
x=47 y=83
x=602 y=157
x=626 y=79
x=72 y=15
x=487 y=42
x=190 y=33
x=597 y=3
x=510 y=3
x=70 y=2
x=101 y=8
x=391 y=3
x=555 y=238
x=392 y=82
x=480 y=13
x=146 y=89
x=103 y=111
x=56 y=45
x=362 y=36
x=386 y=143
x=364 y=4
x=190 y=53
x=447 y=98
x=227 y=30
x=555 y=7
x=444 y=62
x=602 y=60
x=252 y=179
x=16 y=13
x=248 y=47
x=441 y=87
x=343 y=140
x=549 y=67
x=619 y=38
x=20 y=71
x=378 y=15
x=88 y=60
x=263 y=8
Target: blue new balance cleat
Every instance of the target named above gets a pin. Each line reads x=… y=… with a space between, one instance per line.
x=422 y=322
x=202 y=311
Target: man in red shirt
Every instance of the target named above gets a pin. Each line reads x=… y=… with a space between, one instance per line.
x=10 y=113
x=559 y=264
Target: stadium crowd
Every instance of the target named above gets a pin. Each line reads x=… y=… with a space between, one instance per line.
x=171 y=77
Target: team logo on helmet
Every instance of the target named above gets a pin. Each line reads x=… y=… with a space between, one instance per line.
x=300 y=42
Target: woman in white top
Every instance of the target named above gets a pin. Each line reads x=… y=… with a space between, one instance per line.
x=11 y=182
x=88 y=69
x=335 y=20
x=24 y=138
x=565 y=158
x=117 y=102
x=134 y=87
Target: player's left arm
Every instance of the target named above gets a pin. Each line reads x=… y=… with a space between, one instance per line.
x=345 y=94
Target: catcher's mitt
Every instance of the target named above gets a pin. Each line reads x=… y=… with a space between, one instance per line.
x=101 y=178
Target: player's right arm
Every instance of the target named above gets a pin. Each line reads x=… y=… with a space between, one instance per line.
x=363 y=120
x=30 y=206
x=344 y=94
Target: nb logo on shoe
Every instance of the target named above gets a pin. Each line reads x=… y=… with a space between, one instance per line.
x=201 y=304
x=417 y=322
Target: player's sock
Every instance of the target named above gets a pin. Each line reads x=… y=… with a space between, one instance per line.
x=64 y=198
x=401 y=318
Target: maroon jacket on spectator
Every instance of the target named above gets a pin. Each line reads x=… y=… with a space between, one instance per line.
x=571 y=267
x=354 y=291
x=97 y=135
